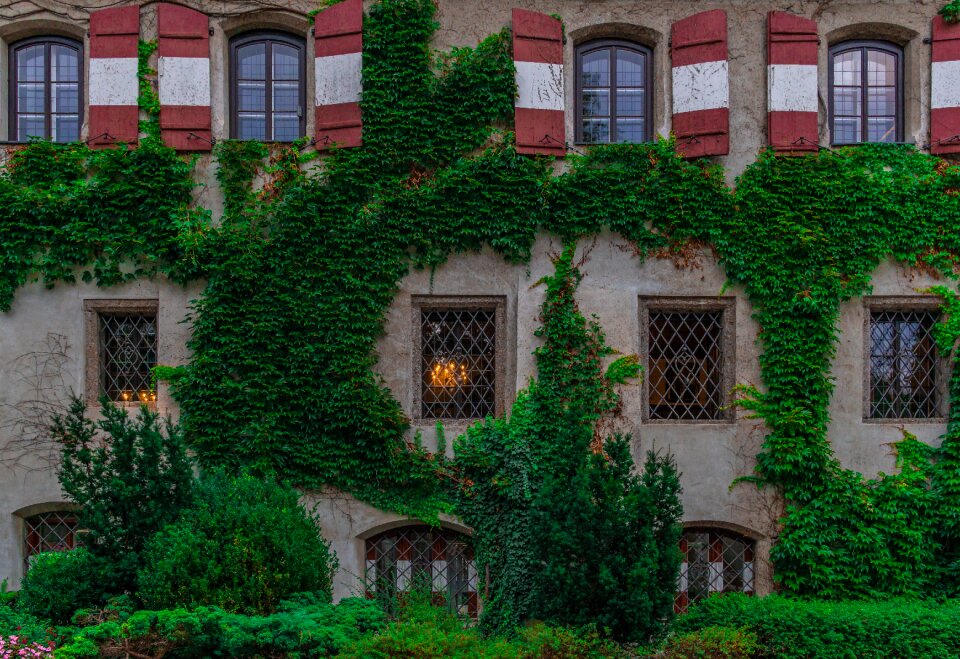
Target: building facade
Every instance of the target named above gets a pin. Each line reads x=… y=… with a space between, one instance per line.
x=728 y=78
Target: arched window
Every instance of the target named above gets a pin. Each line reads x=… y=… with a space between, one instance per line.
x=45 y=93
x=52 y=531
x=422 y=558
x=267 y=92
x=866 y=92
x=714 y=561
x=614 y=100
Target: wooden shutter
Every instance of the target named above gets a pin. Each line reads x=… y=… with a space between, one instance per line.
x=701 y=86
x=338 y=32
x=539 y=107
x=184 y=73
x=792 y=82
x=112 y=85
x=945 y=88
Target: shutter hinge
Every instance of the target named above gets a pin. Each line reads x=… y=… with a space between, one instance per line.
x=211 y=32
x=927 y=40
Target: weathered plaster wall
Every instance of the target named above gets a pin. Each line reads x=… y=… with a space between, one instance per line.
x=710 y=456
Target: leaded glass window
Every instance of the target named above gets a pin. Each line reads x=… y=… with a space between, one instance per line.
x=685 y=367
x=424 y=559
x=714 y=561
x=614 y=102
x=52 y=531
x=866 y=92
x=904 y=367
x=458 y=369
x=268 y=87
x=45 y=90
x=128 y=353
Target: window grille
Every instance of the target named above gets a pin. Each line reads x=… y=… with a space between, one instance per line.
x=53 y=531
x=458 y=363
x=903 y=366
x=714 y=561
x=686 y=365
x=128 y=352
x=420 y=558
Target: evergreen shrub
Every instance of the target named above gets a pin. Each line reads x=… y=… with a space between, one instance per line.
x=59 y=583
x=243 y=546
x=787 y=628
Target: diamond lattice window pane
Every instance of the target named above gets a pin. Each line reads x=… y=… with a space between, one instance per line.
x=714 y=561
x=128 y=351
x=458 y=364
x=53 y=531
x=903 y=365
x=422 y=559
x=686 y=362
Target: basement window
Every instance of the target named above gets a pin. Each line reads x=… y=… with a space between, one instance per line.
x=907 y=377
x=51 y=531
x=714 y=561
x=458 y=363
x=422 y=559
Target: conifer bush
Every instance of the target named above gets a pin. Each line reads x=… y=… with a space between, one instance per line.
x=59 y=583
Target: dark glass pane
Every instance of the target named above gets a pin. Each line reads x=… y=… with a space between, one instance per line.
x=630 y=103
x=881 y=129
x=252 y=62
x=596 y=130
x=630 y=130
x=596 y=103
x=846 y=131
x=251 y=96
x=286 y=62
x=286 y=127
x=631 y=71
x=882 y=101
x=881 y=68
x=65 y=64
x=252 y=127
x=66 y=128
x=29 y=125
x=286 y=97
x=847 y=101
x=903 y=365
x=596 y=69
x=31 y=63
x=30 y=97
x=686 y=361
x=846 y=68
x=65 y=98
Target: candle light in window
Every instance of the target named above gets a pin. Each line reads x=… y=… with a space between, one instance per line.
x=125 y=395
x=448 y=373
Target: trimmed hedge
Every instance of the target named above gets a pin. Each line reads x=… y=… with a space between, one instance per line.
x=788 y=628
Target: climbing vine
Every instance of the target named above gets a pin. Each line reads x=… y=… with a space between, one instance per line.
x=307 y=258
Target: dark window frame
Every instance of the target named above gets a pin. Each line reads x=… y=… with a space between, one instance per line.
x=863 y=46
x=903 y=303
x=612 y=44
x=268 y=37
x=727 y=306
x=12 y=112
x=716 y=535
x=33 y=543
x=93 y=309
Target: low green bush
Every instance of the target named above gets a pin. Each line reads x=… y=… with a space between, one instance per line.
x=305 y=627
x=243 y=546
x=14 y=622
x=59 y=583
x=712 y=643
x=787 y=628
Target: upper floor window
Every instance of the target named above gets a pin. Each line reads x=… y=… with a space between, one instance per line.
x=267 y=88
x=906 y=375
x=614 y=100
x=866 y=92
x=45 y=95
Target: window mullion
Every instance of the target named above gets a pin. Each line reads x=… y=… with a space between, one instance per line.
x=47 y=97
x=613 y=95
x=864 y=91
x=268 y=91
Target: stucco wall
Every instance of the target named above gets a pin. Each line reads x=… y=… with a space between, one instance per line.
x=710 y=456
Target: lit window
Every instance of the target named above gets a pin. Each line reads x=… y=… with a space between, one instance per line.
x=614 y=99
x=688 y=365
x=53 y=531
x=904 y=368
x=714 y=561
x=267 y=87
x=128 y=352
x=457 y=361
x=420 y=558
x=45 y=94
x=866 y=93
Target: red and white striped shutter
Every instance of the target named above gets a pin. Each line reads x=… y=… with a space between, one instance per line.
x=701 y=84
x=539 y=107
x=792 y=82
x=338 y=32
x=112 y=85
x=945 y=88
x=184 y=75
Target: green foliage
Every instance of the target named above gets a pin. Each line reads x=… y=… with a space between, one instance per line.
x=130 y=475
x=59 y=583
x=242 y=557
x=301 y=628
x=951 y=11
x=712 y=643
x=16 y=622
x=148 y=99
x=561 y=521
x=787 y=628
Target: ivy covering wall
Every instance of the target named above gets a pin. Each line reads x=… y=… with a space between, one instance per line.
x=299 y=275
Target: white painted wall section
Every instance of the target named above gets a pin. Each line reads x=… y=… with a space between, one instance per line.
x=792 y=88
x=338 y=79
x=184 y=81
x=702 y=86
x=945 y=84
x=539 y=86
x=113 y=81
